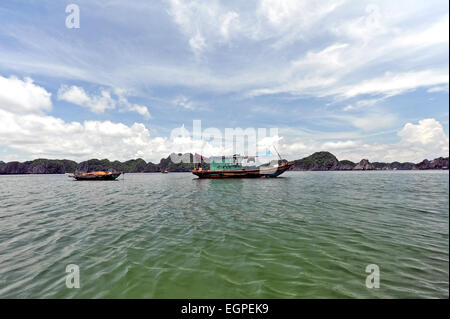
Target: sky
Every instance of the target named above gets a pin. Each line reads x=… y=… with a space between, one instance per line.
x=360 y=79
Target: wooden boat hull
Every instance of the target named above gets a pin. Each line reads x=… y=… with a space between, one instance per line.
x=243 y=173
x=87 y=177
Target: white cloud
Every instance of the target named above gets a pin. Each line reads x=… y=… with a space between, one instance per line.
x=443 y=88
x=364 y=46
x=190 y=16
x=372 y=122
x=435 y=34
x=125 y=105
x=364 y=103
x=42 y=135
x=396 y=83
x=48 y=136
x=142 y=110
x=229 y=21
x=328 y=46
x=215 y=22
x=331 y=146
x=327 y=72
x=365 y=27
x=184 y=102
x=23 y=96
x=78 y=96
x=427 y=132
x=102 y=102
x=289 y=18
x=426 y=139
x=197 y=43
x=340 y=52
x=75 y=95
x=329 y=59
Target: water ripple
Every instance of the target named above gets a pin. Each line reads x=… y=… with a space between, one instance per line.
x=306 y=235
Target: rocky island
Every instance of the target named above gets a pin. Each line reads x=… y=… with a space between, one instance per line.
x=325 y=161
x=319 y=161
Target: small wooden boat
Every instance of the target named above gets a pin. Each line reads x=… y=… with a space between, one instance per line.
x=230 y=167
x=96 y=176
x=165 y=171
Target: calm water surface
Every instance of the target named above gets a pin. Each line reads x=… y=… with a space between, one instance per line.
x=303 y=235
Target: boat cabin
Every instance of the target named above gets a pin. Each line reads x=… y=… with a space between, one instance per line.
x=221 y=163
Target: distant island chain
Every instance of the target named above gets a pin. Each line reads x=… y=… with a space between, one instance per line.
x=319 y=161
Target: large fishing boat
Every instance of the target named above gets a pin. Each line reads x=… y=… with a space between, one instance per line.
x=231 y=167
x=96 y=176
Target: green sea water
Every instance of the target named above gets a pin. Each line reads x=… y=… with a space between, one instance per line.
x=302 y=235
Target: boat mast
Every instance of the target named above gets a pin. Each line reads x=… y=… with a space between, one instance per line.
x=277 y=153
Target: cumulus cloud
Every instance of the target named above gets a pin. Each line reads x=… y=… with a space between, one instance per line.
x=141 y=109
x=428 y=133
x=23 y=96
x=331 y=51
x=47 y=136
x=78 y=96
x=41 y=135
x=426 y=139
x=102 y=102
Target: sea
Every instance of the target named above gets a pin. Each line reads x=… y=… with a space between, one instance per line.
x=372 y=234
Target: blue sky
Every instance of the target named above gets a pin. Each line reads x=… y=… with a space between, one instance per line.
x=361 y=79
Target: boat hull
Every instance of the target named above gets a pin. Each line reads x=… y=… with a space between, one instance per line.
x=243 y=173
x=107 y=177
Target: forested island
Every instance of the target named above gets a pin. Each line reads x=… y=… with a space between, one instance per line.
x=319 y=161
x=325 y=161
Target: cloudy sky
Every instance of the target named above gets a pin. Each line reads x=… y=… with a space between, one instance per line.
x=361 y=79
